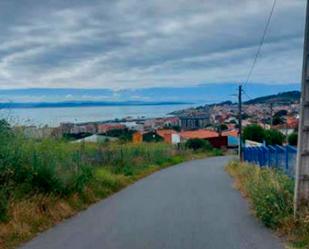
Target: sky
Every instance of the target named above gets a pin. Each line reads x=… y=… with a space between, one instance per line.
x=144 y=44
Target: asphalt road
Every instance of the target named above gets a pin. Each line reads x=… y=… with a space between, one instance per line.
x=190 y=206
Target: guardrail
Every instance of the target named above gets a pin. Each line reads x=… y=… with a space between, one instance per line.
x=278 y=157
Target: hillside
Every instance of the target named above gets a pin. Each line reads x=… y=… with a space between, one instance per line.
x=282 y=98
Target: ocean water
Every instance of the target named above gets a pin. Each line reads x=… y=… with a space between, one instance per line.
x=54 y=116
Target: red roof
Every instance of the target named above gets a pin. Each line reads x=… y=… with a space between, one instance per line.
x=162 y=133
x=199 y=134
x=231 y=133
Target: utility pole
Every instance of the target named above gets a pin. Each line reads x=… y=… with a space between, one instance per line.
x=301 y=194
x=240 y=122
x=271 y=116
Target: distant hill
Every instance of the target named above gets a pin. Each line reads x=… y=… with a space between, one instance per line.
x=282 y=98
x=222 y=103
x=13 y=105
x=199 y=94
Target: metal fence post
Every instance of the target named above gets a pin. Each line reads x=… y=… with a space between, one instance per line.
x=287 y=159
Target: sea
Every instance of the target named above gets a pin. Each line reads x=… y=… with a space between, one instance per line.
x=52 y=117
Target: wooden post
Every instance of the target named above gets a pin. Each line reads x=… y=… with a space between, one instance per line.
x=240 y=122
x=302 y=167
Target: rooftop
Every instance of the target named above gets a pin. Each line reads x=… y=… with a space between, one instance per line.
x=202 y=134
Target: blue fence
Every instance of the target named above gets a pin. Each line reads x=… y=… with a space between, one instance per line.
x=279 y=157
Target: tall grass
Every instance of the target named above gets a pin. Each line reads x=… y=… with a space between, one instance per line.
x=271 y=194
x=61 y=168
x=45 y=181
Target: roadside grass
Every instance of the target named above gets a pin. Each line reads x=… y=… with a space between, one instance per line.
x=270 y=193
x=44 y=182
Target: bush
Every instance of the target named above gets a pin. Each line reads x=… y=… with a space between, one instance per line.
x=258 y=134
x=292 y=139
x=223 y=127
x=273 y=137
x=198 y=144
x=47 y=166
x=254 y=133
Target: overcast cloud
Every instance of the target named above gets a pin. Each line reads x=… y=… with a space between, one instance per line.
x=137 y=44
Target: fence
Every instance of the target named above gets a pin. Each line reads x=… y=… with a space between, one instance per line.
x=278 y=157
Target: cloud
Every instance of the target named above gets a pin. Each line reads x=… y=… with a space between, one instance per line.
x=140 y=44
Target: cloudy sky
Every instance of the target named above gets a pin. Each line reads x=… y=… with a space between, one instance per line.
x=155 y=43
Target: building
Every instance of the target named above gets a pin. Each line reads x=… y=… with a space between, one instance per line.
x=231 y=133
x=171 y=122
x=38 y=132
x=292 y=122
x=169 y=136
x=213 y=137
x=96 y=139
x=83 y=128
x=201 y=134
x=65 y=128
x=232 y=137
x=194 y=122
x=137 y=137
x=103 y=128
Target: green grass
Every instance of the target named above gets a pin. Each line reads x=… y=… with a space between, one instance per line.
x=270 y=193
x=45 y=181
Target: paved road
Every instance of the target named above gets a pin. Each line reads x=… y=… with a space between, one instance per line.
x=190 y=206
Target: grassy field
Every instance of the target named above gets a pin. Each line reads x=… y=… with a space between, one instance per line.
x=44 y=182
x=270 y=193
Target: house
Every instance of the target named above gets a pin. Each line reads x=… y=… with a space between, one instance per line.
x=213 y=137
x=66 y=128
x=232 y=137
x=103 y=128
x=95 y=139
x=83 y=128
x=153 y=124
x=171 y=122
x=194 y=122
x=169 y=136
x=292 y=122
x=202 y=134
x=231 y=133
x=137 y=137
x=37 y=132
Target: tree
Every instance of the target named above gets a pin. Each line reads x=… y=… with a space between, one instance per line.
x=254 y=132
x=258 y=134
x=292 y=139
x=281 y=113
x=277 y=120
x=273 y=137
x=223 y=127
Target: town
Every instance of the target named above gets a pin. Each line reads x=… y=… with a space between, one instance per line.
x=217 y=123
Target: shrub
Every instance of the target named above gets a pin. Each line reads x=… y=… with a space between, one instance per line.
x=198 y=144
x=292 y=139
x=223 y=127
x=217 y=152
x=254 y=132
x=258 y=134
x=47 y=166
x=273 y=137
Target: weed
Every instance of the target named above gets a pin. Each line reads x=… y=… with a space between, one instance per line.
x=271 y=195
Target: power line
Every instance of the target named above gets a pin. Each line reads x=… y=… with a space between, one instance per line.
x=258 y=52
x=247 y=95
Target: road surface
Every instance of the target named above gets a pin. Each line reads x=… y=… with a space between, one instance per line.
x=189 y=206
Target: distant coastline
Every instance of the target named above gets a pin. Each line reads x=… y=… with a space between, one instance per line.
x=15 y=105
